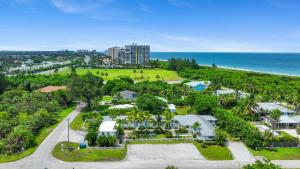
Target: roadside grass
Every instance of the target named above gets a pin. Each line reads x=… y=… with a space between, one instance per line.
x=211 y=152
x=182 y=110
x=214 y=152
x=87 y=155
x=148 y=74
x=278 y=153
x=38 y=139
x=77 y=123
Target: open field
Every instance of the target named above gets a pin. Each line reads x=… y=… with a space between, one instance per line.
x=278 y=153
x=39 y=138
x=148 y=74
x=87 y=155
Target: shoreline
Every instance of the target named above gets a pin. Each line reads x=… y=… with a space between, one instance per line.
x=241 y=69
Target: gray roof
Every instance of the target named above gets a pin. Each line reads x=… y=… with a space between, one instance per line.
x=208 y=117
x=286 y=119
x=269 y=106
x=207 y=129
x=128 y=94
x=296 y=118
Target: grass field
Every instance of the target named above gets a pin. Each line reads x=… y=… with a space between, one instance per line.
x=214 y=152
x=182 y=110
x=148 y=74
x=38 y=139
x=87 y=155
x=278 y=153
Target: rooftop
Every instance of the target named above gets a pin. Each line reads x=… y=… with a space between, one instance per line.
x=196 y=83
x=122 y=106
x=270 y=106
x=107 y=126
x=171 y=106
x=49 y=89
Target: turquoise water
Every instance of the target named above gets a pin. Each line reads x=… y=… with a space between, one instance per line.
x=276 y=63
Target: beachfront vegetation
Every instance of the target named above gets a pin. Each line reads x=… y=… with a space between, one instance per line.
x=87 y=155
x=262 y=165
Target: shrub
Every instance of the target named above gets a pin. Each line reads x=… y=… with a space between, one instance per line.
x=220 y=137
x=182 y=130
x=106 y=141
x=168 y=134
x=262 y=165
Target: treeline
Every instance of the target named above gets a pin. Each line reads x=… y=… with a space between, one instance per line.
x=23 y=115
x=266 y=86
x=178 y=64
x=239 y=128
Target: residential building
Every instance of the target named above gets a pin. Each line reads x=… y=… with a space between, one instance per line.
x=137 y=54
x=172 y=108
x=128 y=95
x=241 y=94
x=107 y=128
x=267 y=107
x=206 y=129
x=122 y=106
x=199 y=85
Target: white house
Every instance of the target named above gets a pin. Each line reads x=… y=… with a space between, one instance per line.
x=122 y=106
x=268 y=107
x=172 y=108
x=107 y=128
x=206 y=128
x=226 y=91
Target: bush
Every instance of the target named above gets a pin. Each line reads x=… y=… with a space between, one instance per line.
x=168 y=134
x=183 y=130
x=262 y=165
x=220 y=137
x=106 y=141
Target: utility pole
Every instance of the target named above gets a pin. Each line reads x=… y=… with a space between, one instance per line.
x=68 y=134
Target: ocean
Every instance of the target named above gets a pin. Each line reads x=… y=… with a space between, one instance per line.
x=275 y=63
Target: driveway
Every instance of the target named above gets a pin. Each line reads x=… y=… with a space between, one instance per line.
x=163 y=152
x=240 y=151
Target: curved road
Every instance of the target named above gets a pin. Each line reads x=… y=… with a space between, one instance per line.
x=42 y=157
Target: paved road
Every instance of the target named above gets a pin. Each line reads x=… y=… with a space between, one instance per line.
x=42 y=157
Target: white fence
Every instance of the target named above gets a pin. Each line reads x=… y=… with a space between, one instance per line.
x=160 y=139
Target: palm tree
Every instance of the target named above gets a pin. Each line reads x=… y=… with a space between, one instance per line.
x=268 y=136
x=134 y=72
x=147 y=118
x=157 y=77
x=250 y=105
x=168 y=117
x=195 y=126
x=135 y=117
x=275 y=116
x=120 y=129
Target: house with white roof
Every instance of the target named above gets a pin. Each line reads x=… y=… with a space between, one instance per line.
x=267 y=107
x=226 y=91
x=122 y=106
x=206 y=129
x=199 y=85
x=172 y=108
x=107 y=128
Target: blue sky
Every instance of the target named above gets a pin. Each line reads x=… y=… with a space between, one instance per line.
x=166 y=25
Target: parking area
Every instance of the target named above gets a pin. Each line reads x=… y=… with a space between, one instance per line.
x=163 y=152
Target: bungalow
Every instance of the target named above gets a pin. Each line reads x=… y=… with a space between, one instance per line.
x=107 y=128
x=199 y=85
x=128 y=95
x=267 y=107
x=206 y=128
x=231 y=91
x=172 y=108
x=286 y=122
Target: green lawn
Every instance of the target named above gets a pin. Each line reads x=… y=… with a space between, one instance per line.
x=182 y=110
x=77 y=123
x=107 y=98
x=278 y=153
x=214 y=152
x=87 y=155
x=148 y=74
x=38 y=139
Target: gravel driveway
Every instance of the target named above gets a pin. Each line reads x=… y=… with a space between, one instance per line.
x=163 y=152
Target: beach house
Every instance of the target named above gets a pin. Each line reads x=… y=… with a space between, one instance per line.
x=107 y=128
x=198 y=85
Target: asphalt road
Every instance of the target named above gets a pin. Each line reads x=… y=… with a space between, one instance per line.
x=42 y=158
